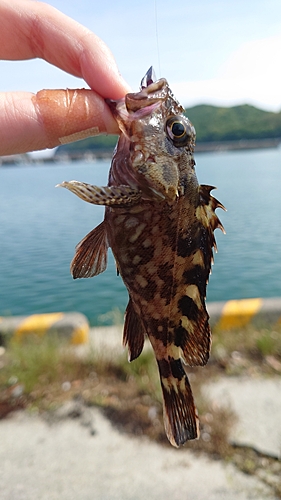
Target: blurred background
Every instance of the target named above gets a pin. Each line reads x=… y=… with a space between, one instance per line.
x=221 y=60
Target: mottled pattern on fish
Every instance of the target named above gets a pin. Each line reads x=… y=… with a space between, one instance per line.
x=160 y=225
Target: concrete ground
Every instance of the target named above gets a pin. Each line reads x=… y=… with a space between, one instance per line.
x=257 y=403
x=86 y=458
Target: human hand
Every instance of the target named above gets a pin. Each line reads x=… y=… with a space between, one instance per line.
x=31 y=122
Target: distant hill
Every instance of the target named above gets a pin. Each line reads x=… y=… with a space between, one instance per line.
x=212 y=124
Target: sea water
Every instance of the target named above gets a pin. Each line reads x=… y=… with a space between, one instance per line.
x=40 y=226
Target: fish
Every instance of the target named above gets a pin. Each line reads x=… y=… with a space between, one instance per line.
x=159 y=223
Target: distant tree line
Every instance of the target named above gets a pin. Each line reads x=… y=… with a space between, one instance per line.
x=231 y=124
x=212 y=123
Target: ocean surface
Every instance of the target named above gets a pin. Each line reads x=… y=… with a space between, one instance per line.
x=40 y=226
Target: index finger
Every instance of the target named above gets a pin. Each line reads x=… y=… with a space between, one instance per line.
x=35 y=29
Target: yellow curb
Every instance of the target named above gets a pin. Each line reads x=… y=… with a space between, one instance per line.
x=80 y=335
x=238 y=313
x=36 y=324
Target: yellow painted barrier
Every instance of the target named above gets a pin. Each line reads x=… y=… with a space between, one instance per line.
x=80 y=335
x=238 y=313
x=37 y=324
x=73 y=326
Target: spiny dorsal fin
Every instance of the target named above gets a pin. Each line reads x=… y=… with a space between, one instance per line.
x=210 y=204
x=90 y=257
x=134 y=332
x=206 y=213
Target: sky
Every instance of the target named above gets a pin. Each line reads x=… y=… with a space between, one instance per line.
x=221 y=52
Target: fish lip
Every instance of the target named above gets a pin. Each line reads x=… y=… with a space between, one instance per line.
x=155 y=92
x=118 y=108
x=144 y=102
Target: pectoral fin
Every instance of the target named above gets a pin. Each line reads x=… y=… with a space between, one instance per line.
x=105 y=195
x=90 y=258
x=134 y=332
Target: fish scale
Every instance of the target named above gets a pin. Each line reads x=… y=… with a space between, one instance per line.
x=160 y=226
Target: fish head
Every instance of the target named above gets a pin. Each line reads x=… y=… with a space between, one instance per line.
x=158 y=137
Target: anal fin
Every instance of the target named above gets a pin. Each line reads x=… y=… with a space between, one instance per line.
x=90 y=258
x=134 y=332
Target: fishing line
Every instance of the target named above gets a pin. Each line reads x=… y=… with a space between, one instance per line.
x=157 y=37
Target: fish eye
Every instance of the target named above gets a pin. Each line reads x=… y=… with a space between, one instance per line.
x=178 y=131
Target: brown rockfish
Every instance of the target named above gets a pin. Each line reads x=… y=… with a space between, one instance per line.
x=160 y=225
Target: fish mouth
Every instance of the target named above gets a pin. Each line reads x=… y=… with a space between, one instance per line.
x=152 y=93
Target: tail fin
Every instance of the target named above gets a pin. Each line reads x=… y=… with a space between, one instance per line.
x=179 y=412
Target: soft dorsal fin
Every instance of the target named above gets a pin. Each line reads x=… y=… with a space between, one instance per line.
x=134 y=332
x=194 y=337
x=90 y=257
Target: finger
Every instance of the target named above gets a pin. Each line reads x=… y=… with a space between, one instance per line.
x=30 y=122
x=35 y=29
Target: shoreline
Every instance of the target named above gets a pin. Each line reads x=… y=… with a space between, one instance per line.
x=91 y=155
x=241 y=144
